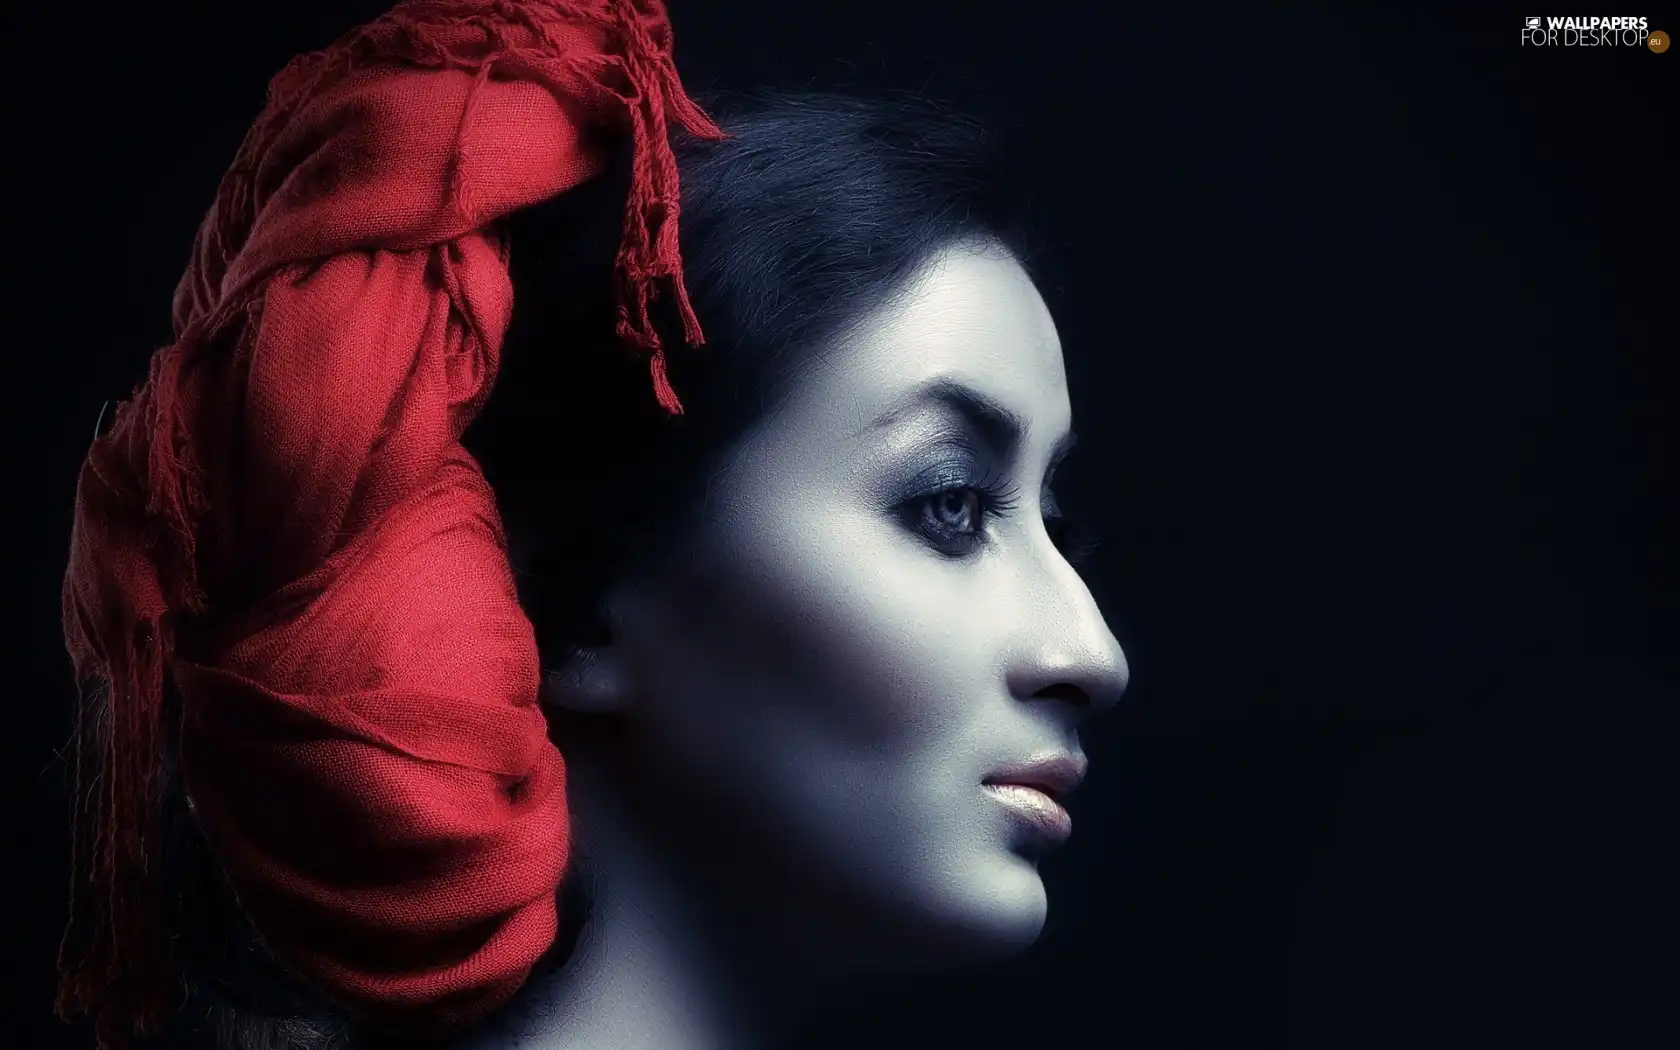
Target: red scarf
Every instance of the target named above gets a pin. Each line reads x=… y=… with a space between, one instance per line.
x=283 y=523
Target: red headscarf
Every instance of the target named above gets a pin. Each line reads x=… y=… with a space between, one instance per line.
x=282 y=522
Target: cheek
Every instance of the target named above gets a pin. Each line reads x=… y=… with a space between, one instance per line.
x=829 y=694
x=823 y=669
x=840 y=617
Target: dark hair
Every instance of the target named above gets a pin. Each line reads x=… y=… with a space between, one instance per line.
x=815 y=210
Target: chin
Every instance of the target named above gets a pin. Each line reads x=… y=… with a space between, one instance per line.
x=1017 y=906
x=987 y=913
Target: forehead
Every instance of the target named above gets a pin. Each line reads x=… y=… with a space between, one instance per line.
x=971 y=317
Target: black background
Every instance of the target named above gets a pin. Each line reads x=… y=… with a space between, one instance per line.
x=1367 y=319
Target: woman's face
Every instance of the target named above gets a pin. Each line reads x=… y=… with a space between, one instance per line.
x=871 y=623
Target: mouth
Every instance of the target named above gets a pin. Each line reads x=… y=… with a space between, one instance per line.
x=1034 y=793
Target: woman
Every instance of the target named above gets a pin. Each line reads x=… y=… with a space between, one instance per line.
x=801 y=621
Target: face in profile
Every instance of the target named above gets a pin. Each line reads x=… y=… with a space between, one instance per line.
x=848 y=673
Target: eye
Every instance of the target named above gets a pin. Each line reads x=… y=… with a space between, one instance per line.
x=952 y=518
x=955 y=510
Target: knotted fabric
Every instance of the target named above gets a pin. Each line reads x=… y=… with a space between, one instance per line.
x=282 y=528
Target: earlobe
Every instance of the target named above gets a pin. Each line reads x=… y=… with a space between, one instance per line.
x=591 y=681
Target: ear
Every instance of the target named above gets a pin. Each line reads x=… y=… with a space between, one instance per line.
x=592 y=681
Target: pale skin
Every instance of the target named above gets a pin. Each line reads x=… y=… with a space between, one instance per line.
x=815 y=682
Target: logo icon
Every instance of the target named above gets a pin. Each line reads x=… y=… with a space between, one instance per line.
x=1657 y=41
x=1533 y=23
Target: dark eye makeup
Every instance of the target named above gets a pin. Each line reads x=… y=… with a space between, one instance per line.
x=952 y=509
x=952 y=505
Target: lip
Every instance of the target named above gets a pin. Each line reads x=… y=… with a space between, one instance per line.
x=1034 y=791
x=1054 y=775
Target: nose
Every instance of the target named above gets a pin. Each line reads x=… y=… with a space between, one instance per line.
x=1066 y=651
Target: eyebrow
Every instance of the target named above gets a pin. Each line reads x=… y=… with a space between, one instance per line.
x=997 y=426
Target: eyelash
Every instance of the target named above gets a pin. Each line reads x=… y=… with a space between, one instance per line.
x=995 y=499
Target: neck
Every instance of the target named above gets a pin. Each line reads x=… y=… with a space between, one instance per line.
x=660 y=960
